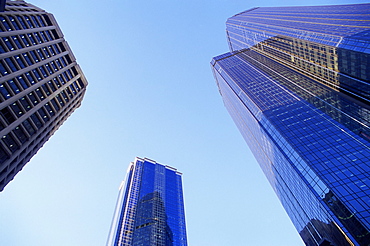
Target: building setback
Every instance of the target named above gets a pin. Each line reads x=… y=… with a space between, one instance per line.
x=297 y=84
x=150 y=207
x=40 y=84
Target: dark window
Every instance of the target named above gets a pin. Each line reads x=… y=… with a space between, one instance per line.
x=80 y=83
x=19 y=133
x=55 y=104
x=16 y=109
x=3 y=155
x=57 y=82
x=52 y=86
x=10 y=143
x=64 y=96
x=43 y=114
x=73 y=89
x=7 y=115
x=27 y=125
x=30 y=78
x=33 y=98
x=26 y=105
x=49 y=109
x=39 y=94
x=46 y=89
x=60 y=100
x=36 y=121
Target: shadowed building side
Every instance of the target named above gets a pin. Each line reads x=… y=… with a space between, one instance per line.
x=41 y=84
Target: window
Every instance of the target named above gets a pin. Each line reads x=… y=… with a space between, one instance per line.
x=22 y=82
x=27 y=58
x=13 y=86
x=4 y=91
x=19 y=133
x=19 y=61
x=17 y=43
x=10 y=63
x=5 y=23
x=36 y=121
x=12 y=20
x=29 y=128
x=7 y=115
x=16 y=109
x=10 y=143
x=8 y=43
x=43 y=114
x=20 y=19
x=26 y=105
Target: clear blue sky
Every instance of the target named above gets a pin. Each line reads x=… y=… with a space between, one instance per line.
x=151 y=94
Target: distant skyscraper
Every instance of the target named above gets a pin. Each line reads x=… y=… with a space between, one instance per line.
x=150 y=207
x=297 y=84
x=40 y=84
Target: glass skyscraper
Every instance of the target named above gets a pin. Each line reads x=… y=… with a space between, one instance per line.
x=40 y=83
x=150 y=207
x=297 y=84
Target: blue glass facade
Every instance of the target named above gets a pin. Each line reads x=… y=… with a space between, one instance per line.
x=150 y=207
x=296 y=83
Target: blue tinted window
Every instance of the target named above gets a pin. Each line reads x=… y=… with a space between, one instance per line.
x=4 y=91
x=17 y=43
x=20 y=19
x=8 y=43
x=19 y=61
x=27 y=58
x=10 y=63
x=12 y=20
x=14 y=86
x=5 y=23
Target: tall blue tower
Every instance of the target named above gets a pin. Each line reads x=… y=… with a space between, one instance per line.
x=297 y=84
x=150 y=207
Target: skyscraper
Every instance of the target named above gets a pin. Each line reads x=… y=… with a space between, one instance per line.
x=150 y=207
x=297 y=84
x=40 y=84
